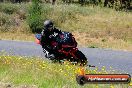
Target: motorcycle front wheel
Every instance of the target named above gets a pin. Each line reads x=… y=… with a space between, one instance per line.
x=81 y=58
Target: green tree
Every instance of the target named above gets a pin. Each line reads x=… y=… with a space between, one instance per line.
x=34 y=18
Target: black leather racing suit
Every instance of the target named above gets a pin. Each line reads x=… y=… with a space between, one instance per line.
x=48 y=37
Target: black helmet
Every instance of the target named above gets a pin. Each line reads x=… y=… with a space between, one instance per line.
x=48 y=24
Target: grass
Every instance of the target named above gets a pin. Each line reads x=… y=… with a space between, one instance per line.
x=17 y=36
x=34 y=71
x=90 y=25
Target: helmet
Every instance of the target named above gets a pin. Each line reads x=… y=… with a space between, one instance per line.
x=48 y=24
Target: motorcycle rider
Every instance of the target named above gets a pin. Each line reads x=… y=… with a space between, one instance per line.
x=49 y=34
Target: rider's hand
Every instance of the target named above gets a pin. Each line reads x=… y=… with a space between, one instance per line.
x=55 y=48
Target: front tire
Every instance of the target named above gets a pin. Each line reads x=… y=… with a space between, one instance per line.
x=81 y=58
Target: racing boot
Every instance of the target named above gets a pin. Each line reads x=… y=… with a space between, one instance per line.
x=48 y=54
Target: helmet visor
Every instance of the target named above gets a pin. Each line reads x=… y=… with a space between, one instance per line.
x=50 y=27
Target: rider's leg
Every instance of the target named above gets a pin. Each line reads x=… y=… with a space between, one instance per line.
x=49 y=52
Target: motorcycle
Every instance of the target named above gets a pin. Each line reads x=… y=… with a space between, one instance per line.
x=68 y=48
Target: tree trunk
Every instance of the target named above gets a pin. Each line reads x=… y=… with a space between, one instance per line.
x=105 y=3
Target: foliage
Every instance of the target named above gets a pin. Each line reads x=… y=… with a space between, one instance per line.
x=9 y=8
x=92 y=24
x=34 y=18
x=6 y=21
x=45 y=74
x=118 y=4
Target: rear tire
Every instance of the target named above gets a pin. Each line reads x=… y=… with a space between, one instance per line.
x=81 y=58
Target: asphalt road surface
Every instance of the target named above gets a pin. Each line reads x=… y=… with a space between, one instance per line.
x=121 y=61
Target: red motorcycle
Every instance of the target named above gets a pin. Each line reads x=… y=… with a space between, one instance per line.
x=67 y=48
